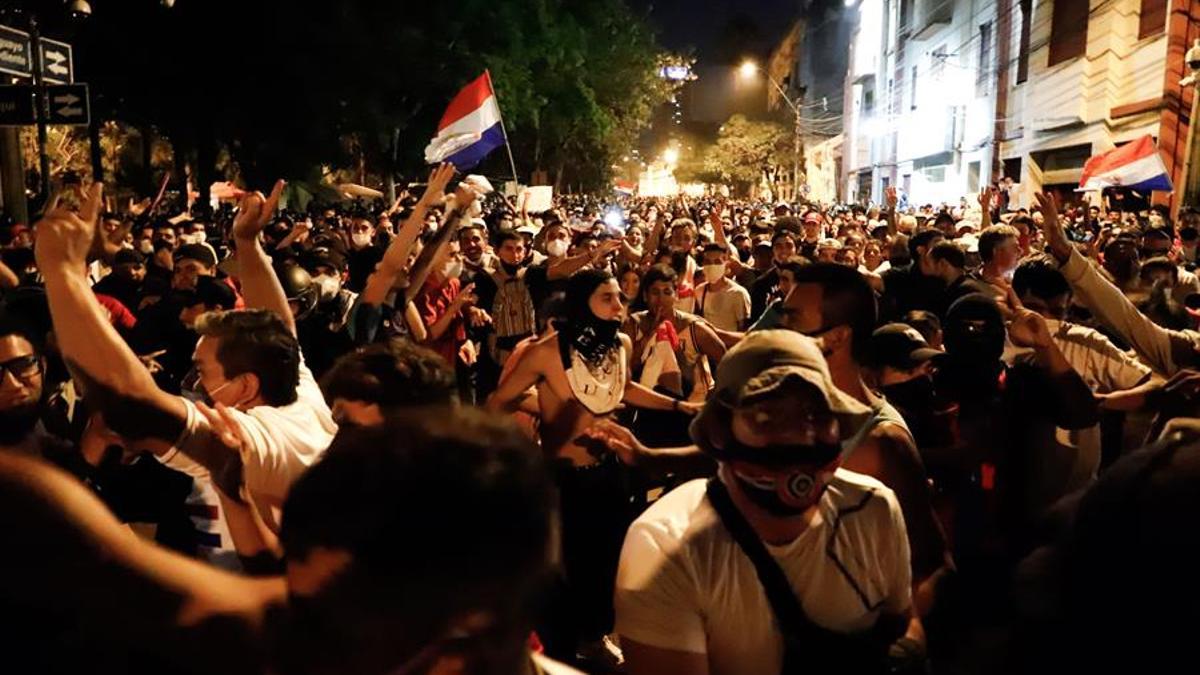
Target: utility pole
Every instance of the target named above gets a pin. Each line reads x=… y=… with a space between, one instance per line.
x=43 y=110
x=12 y=172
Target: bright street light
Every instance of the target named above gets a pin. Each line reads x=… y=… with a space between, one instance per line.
x=748 y=69
x=671 y=156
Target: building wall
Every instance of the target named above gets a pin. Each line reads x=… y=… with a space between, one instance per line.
x=937 y=136
x=822 y=165
x=1110 y=95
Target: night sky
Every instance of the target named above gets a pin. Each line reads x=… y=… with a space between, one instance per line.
x=719 y=31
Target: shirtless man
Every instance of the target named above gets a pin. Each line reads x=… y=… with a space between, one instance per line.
x=581 y=375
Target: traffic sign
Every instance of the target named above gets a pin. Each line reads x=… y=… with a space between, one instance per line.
x=16 y=52
x=68 y=104
x=16 y=105
x=57 y=64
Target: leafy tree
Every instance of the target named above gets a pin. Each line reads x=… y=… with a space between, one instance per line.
x=745 y=148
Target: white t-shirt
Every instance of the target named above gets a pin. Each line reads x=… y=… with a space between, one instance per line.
x=1105 y=368
x=684 y=584
x=284 y=441
x=1074 y=460
x=726 y=308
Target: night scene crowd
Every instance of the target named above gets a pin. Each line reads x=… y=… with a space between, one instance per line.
x=652 y=436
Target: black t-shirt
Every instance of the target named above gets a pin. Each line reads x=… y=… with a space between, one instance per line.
x=761 y=291
x=542 y=287
x=361 y=263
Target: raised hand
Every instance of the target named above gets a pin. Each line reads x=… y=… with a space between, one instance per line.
x=1052 y=229
x=66 y=237
x=891 y=197
x=986 y=197
x=255 y=211
x=1029 y=329
x=435 y=188
x=606 y=249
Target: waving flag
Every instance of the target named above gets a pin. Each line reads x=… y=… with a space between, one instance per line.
x=1136 y=165
x=471 y=127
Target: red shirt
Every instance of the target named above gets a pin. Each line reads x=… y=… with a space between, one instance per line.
x=118 y=314
x=433 y=302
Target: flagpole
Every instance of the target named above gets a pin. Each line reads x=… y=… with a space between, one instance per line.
x=512 y=164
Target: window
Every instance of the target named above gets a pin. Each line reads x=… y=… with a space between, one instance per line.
x=972 y=177
x=905 y=16
x=1152 y=18
x=868 y=101
x=1012 y=169
x=913 y=89
x=983 y=69
x=934 y=174
x=1068 y=30
x=1023 y=52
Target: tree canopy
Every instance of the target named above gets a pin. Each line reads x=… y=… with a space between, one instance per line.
x=287 y=88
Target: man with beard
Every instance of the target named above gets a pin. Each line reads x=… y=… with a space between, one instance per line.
x=22 y=389
x=581 y=374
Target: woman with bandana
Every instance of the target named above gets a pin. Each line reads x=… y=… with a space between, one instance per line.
x=580 y=373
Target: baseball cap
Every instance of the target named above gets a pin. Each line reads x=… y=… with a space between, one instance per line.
x=757 y=367
x=322 y=256
x=202 y=253
x=812 y=217
x=899 y=345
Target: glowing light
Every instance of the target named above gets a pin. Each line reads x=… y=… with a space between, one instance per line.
x=748 y=69
x=614 y=219
x=671 y=156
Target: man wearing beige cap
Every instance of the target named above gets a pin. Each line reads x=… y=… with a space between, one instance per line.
x=783 y=561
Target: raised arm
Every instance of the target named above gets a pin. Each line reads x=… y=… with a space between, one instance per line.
x=382 y=280
x=464 y=196
x=718 y=226
x=1163 y=350
x=260 y=286
x=985 y=205
x=115 y=380
x=892 y=199
x=568 y=266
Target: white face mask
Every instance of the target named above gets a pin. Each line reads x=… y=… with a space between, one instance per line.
x=146 y=246
x=187 y=239
x=360 y=239
x=329 y=286
x=557 y=248
x=452 y=269
x=714 y=273
x=199 y=237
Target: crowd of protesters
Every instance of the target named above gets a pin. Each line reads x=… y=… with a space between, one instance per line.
x=654 y=436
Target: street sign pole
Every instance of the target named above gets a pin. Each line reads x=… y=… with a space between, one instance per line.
x=43 y=111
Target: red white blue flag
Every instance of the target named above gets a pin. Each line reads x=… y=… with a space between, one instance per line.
x=1136 y=165
x=470 y=128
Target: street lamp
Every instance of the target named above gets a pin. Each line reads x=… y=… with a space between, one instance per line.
x=671 y=156
x=1191 y=177
x=747 y=70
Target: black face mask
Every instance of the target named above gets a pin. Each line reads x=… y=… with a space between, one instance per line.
x=915 y=395
x=593 y=337
x=510 y=270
